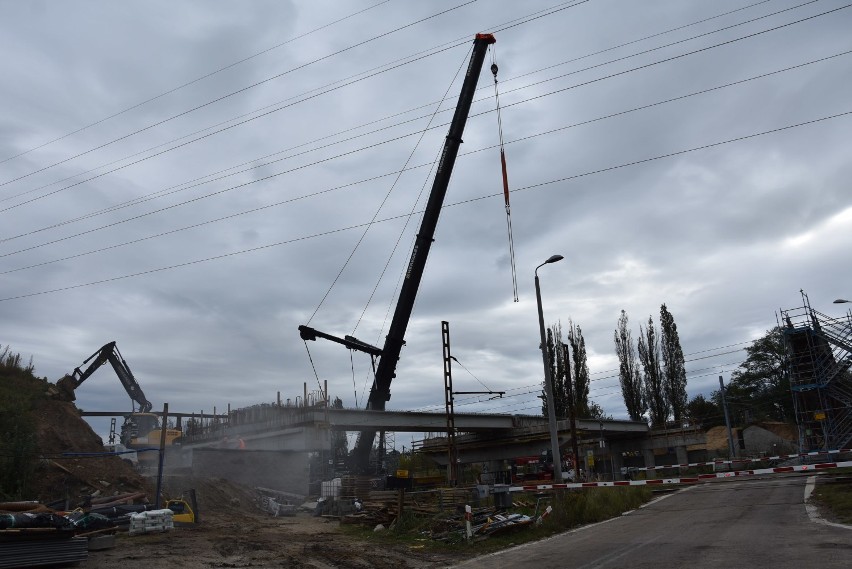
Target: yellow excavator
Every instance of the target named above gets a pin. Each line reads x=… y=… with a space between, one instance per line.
x=141 y=429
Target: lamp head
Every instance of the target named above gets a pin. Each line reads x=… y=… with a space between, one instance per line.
x=555 y=258
x=841 y=301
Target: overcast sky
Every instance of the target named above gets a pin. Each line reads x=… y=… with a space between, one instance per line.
x=195 y=179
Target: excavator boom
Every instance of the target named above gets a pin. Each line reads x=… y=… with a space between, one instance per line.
x=109 y=353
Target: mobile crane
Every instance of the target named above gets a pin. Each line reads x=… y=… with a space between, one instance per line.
x=395 y=339
x=141 y=428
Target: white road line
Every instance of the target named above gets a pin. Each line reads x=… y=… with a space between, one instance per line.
x=813 y=511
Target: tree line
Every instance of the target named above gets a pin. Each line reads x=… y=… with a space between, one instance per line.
x=655 y=381
x=652 y=383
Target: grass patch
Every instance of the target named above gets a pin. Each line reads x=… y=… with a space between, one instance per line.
x=571 y=509
x=836 y=496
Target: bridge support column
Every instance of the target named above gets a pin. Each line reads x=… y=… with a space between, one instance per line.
x=648 y=455
x=682 y=455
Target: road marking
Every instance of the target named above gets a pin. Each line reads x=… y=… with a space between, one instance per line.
x=813 y=511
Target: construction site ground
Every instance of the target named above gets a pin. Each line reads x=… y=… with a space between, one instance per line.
x=234 y=532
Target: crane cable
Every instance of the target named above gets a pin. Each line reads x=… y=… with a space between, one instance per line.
x=505 y=176
x=314 y=367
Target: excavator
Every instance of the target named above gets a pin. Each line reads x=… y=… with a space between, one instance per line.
x=141 y=429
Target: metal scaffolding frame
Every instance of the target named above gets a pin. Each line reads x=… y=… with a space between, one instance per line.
x=819 y=357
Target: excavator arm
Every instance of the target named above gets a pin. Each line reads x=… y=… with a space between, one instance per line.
x=108 y=353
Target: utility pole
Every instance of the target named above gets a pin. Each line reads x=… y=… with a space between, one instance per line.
x=452 y=451
x=731 y=448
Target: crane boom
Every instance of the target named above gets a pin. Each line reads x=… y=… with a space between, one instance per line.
x=380 y=391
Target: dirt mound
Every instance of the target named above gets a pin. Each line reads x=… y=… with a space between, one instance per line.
x=70 y=467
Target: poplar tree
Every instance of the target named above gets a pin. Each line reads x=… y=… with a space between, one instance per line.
x=580 y=369
x=674 y=370
x=628 y=371
x=559 y=373
x=649 y=355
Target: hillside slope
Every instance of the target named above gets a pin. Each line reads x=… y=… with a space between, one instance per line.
x=45 y=443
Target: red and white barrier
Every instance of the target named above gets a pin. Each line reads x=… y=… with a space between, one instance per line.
x=686 y=480
x=742 y=460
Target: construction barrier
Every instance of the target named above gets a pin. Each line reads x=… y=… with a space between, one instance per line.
x=686 y=480
x=742 y=460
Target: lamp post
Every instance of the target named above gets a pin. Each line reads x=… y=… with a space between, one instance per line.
x=548 y=384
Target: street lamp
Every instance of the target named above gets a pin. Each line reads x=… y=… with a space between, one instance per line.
x=841 y=301
x=548 y=385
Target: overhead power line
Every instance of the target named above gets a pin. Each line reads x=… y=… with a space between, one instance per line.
x=409 y=59
x=238 y=91
x=192 y=82
x=323 y=192
x=361 y=225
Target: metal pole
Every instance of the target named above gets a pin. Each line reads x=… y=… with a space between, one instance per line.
x=731 y=448
x=162 y=454
x=548 y=388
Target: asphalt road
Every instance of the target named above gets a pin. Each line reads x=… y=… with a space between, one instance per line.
x=727 y=524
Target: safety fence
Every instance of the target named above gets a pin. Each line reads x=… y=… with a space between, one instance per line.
x=685 y=480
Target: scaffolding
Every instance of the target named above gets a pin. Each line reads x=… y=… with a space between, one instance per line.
x=819 y=356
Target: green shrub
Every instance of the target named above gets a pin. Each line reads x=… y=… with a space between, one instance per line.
x=19 y=390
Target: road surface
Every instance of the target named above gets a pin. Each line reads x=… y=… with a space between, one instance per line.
x=725 y=524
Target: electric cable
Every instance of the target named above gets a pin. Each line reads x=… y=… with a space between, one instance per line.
x=407 y=59
x=363 y=134
x=192 y=82
x=238 y=91
x=322 y=192
x=381 y=205
x=348 y=83
x=547 y=94
x=467 y=201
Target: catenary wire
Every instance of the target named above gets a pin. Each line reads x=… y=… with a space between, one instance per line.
x=566 y=88
x=371 y=75
x=384 y=201
x=407 y=59
x=238 y=91
x=471 y=200
x=192 y=82
x=321 y=192
x=138 y=200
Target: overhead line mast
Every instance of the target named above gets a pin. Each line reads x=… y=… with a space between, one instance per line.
x=380 y=391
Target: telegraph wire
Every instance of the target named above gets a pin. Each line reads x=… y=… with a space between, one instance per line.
x=341 y=141
x=625 y=44
x=535 y=389
x=193 y=81
x=471 y=200
x=478 y=114
x=241 y=90
x=317 y=91
x=632 y=55
x=428 y=53
x=407 y=59
x=318 y=193
x=382 y=204
x=187 y=143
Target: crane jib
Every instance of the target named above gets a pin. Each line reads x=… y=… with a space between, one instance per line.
x=386 y=371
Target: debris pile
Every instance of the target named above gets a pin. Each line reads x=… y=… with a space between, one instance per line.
x=43 y=537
